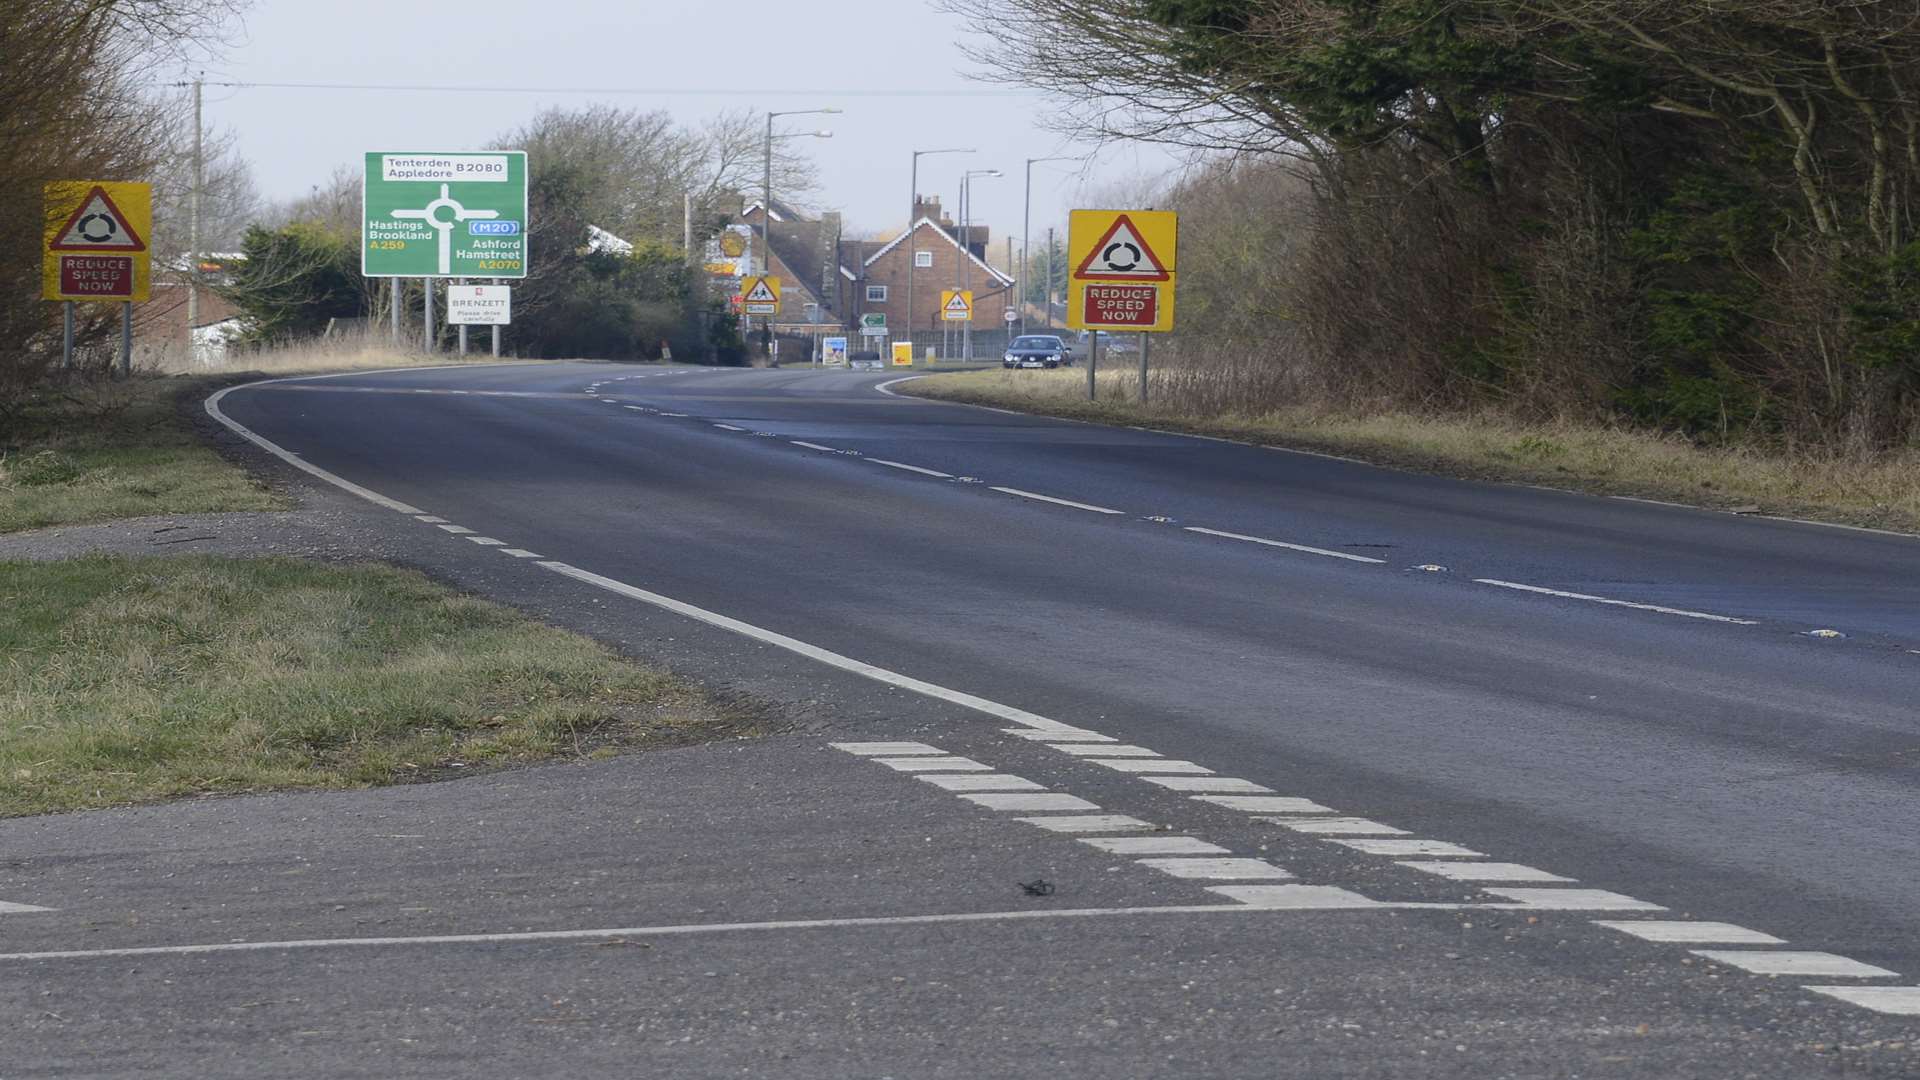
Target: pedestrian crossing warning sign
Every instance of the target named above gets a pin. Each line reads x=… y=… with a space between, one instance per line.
x=97 y=225
x=956 y=305
x=1123 y=251
x=761 y=295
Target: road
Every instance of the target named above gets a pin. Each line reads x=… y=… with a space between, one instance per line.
x=1496 y=739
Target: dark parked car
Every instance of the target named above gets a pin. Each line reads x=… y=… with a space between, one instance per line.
x=1035 y=351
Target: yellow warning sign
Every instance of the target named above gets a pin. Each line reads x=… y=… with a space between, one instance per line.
x=760 y=295
x=956 y=305
x=1124 y=269
x=96 y=241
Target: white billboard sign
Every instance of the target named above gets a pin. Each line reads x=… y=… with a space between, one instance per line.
x=479 y=305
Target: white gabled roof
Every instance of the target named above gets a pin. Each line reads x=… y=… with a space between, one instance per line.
x=944 y=235
x=602 y=241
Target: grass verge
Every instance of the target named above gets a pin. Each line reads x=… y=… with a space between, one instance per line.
x=129 y=680
x=1883 y=492
x=98 y=450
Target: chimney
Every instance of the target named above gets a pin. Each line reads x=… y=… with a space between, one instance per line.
x=928 y=206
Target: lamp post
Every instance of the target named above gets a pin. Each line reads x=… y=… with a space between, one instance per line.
x=913 y=234
x=766 y=186
x=966 y=251
x=1026 y=230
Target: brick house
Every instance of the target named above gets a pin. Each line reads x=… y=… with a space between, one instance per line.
x=877 y=274
x=805 y=255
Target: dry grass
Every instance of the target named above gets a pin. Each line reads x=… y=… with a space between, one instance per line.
x=1882 y=492
x=349 y=352
x=128 y=680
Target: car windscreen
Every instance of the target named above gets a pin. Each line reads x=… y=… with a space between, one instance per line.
x=1035 y=343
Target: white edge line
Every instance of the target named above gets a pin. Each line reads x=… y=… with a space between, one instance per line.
x=644 y=931
x=882 y=387
x=813 y=652
x=1056 y=502
x=911 y=468
x=1290 y=547
x=1684 y=613
x=213 y=410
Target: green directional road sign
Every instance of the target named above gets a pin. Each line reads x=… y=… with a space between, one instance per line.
x=445 y=215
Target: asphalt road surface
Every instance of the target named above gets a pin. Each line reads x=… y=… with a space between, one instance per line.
x=1117 y=754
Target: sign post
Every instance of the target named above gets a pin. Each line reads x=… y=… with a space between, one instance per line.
x=1123 y=277
x=96 y=249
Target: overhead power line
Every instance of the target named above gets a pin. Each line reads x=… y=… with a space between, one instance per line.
x=660 y=91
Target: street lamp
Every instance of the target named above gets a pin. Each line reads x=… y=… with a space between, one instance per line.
x=766 y=188
x=913 y=234
x=966 y=250
x=1026 y=231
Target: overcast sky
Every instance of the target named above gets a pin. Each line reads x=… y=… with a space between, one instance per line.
x=892 y=65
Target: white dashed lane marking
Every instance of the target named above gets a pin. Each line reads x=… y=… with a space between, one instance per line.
x=1407 y=847
x=888 y=749
x=815 y=446
x=19 y=909
x=521 y=553
x=1116 y=750
x=1030 y=804
x=1343 y=826
x=1265 y=804
x=1574 y=900
x=1564 y=595
x=487 y=541
x=1089 y=507
x=457 y=530
x=911 y=468
x=1303 y=548
x=729 y=427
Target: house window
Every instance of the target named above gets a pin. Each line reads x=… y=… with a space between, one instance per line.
x=876 y=294
x=923 y=259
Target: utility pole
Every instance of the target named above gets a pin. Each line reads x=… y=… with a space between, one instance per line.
x=913 y=234
x=193 y=216
x=1049 y=277
x=966 y=251
x=1026 y=230
x=766 y=190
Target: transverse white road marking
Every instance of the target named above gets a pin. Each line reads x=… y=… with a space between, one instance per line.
x=430 y=519
x=943 y=763
x=1221 y=784
x=1484 y=871
x=1669 y=932
x=487 y=541
x=985 y=782
x=1105 y=750
x=1219 y=869
x=1574 y=900
x=1265 y=804
x=1823 y=964
x=1089 y=823
x=457 y=530
x=1344 y=826
x=1031 y=804
x=1283 y=544
x=1615 y=603
x=1153 y=845
x=1157 y=766
x=1407 y=847
x=888 y=749
x=911 y=468
x=1295 y=897
x=1077 y=736
x=1057 y=502
x=1892 y=1000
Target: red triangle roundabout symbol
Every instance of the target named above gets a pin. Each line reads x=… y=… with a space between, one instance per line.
x=1122 y=254
x=97 y=224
